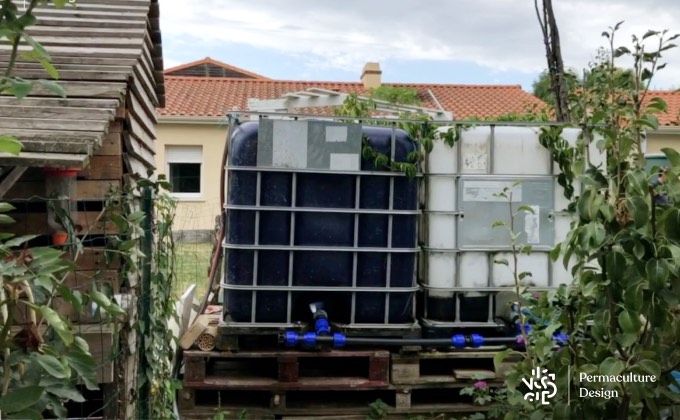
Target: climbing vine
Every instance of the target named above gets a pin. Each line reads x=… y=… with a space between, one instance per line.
x=147 y=247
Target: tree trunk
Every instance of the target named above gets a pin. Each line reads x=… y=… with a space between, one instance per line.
x=553 y=52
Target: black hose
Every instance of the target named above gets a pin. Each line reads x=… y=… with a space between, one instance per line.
x=419 y=341
x=407 y=341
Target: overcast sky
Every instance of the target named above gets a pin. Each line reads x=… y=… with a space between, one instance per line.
x=427 y=41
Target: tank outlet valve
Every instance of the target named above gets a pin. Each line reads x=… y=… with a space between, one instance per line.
x=321 y=324
x=309 y=339
x=460 y=341
x=339 y=340
x=290 y=338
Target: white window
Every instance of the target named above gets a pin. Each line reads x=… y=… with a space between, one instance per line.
x=183 y=166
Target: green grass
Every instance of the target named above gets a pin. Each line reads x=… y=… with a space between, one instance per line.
x=191 y=267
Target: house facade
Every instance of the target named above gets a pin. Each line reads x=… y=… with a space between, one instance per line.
x=192 y=130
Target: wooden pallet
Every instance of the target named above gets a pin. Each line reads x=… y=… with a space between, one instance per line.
x=286 y=370
x=398 y=402
x=455 y=367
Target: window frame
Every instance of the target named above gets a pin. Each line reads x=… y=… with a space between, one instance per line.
x=168 y=161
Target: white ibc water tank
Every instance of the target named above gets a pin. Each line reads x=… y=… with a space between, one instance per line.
x=460 y=207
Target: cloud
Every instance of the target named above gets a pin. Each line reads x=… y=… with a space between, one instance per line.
x=500 y=35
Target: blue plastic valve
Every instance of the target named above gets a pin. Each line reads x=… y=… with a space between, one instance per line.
x=309 y=339
x=458 y=341
x=477 y=340
x=291 y=338
x=339 y=340
x=322 y=326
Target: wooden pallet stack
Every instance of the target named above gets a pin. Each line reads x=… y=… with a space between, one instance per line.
x=293 y=383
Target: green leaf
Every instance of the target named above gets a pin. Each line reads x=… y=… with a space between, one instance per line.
x=638 y=250
x=633 y=296
x=555 y=252
x=502 y=261
x=615 y=263
x=650 y=366
x=26 y=415
x=100 y=299
x=658 y=272
x=658 y=104
x=20 y=399
x=637 y=182
x=629 y=322
x=673 y=156
x=525 y=208
x=58 y=324
x=20 y=240
x=6 y=220
x=20 y=88
x=9 y=144
x=85 y=365
x=611 y=366
x=5 y=207
x=66 y=391
x=52 y=365
x=498 y=223
x=639 y=209
x=53 y=87
x=627 y=339
x=672 y=224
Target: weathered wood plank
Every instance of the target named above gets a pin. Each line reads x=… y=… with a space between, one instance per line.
x=146 y=84
x=55 y=146
x=90 y=42
x=86 y=190
x=10 y=180
x=135 y=167
x=148 y=122
x=66 y=58
x=143 y=98
x=50 y=160
x=11 y=121
x=75 y=75
x=119 y=13
x=140 y=134
x=103 y=168
x=86 y=51
x=85 y=32
x=36 y=224
x=89 y=137
x=109 y=90
x=63 y=113
x=136 y=149
x=111 y=145
x=105 y=104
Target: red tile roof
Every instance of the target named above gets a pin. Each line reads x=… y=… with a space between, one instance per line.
x=672 y=99
x=211 y=97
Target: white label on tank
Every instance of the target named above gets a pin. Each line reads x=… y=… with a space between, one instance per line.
x=532 y=225
x=475 y=156
x=290 y=145
x=336 y=134
x=344 y=161
x=485 y=190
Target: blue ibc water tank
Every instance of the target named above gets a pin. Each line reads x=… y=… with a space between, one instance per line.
x=320 y=264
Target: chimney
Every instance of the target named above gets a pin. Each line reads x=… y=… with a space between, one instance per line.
x=370 y=77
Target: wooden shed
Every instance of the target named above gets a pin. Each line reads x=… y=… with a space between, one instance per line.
x=109 y=58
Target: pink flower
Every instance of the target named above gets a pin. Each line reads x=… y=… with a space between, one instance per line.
x=480 y=385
